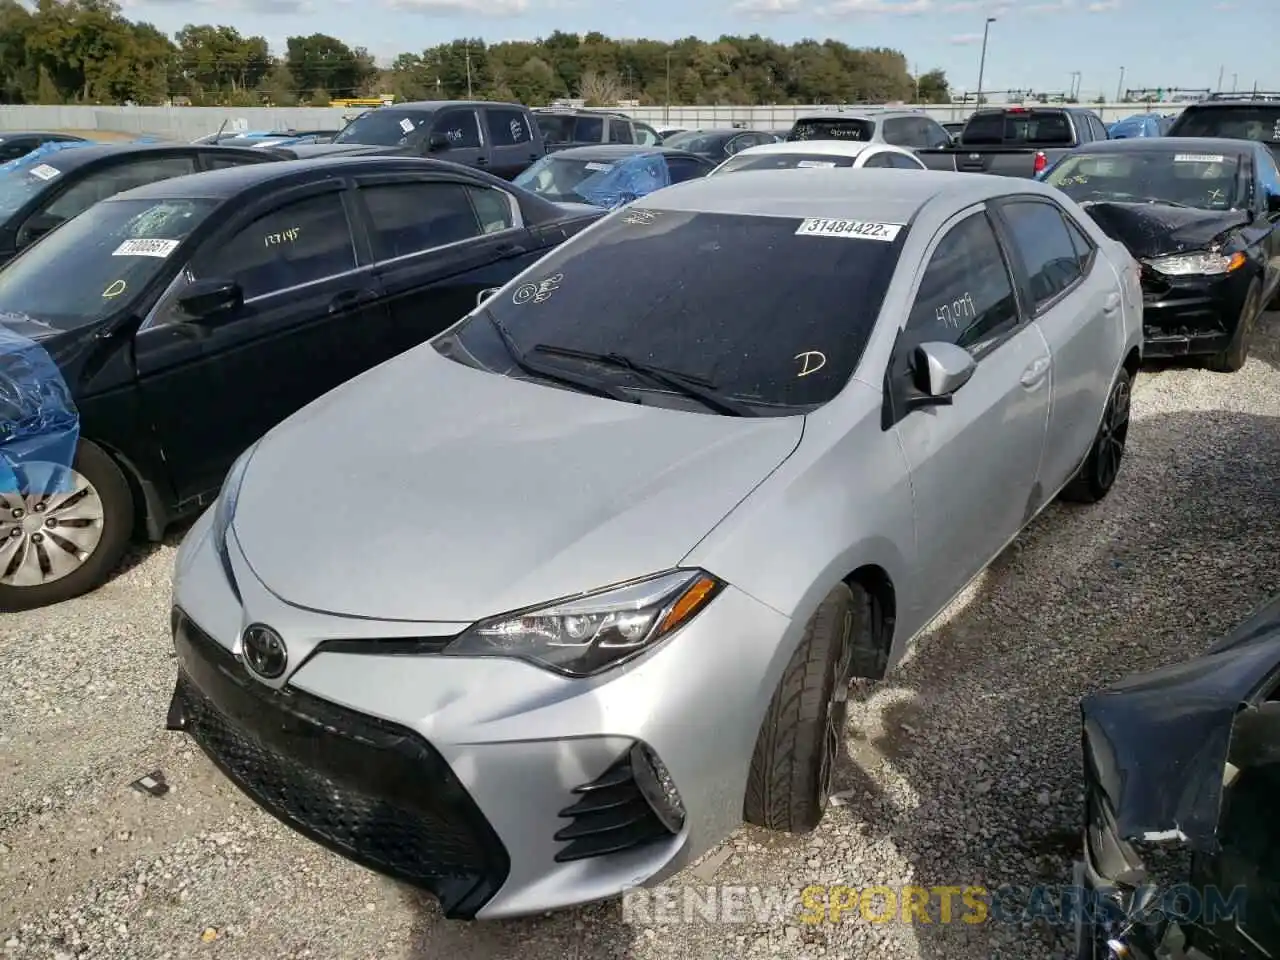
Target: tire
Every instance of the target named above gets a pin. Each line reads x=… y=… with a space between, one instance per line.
x=115 y=523
x=1101 y=468
x=1237 y=352
x=803 y=730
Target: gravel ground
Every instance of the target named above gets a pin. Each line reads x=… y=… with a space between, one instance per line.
x=964 y=764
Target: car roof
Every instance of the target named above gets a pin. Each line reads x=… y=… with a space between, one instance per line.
x=834 y=148
x=887 y=196
x=430 y=106
x=864 y=114
x=613 y=151
x=91 y=152
x=1171 y=144
x=15 y=134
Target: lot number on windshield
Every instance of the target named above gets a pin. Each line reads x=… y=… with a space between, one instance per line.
x=854 y=229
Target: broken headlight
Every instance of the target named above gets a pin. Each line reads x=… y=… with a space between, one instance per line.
x=1204 y=263
x=591 y=633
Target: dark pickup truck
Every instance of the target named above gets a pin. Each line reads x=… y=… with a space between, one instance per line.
x=1016 y=141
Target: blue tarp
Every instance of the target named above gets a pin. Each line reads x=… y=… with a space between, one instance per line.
x=625 y=181
x=39 y=423
x=42 y=151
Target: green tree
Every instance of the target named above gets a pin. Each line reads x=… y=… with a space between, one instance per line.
x=932 y=87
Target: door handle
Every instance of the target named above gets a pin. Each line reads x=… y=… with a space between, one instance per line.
x=482 y=161
x=351 y=298
x=1112 y=304
x=1035 y=373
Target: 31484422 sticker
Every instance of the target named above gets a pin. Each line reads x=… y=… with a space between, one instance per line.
x=45 y=172
x=851 y=229
x=808 y=164
x=145 y=248
x=1198 y=158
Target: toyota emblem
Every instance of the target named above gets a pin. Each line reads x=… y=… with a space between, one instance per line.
x=264 y=651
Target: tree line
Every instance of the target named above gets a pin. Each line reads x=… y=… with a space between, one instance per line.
x=88 y=52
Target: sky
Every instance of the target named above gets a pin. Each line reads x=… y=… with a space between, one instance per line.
x=1033 y=44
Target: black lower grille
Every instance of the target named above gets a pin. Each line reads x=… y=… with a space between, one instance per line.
x=372 y=791
x=611 y=815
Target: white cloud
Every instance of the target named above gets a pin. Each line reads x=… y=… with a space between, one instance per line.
x=965 y=39
x=852 y=8
x=1100 y=6
x=495 y=9
x=767 y=8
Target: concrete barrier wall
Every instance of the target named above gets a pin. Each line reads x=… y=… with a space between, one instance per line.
x=187 y=123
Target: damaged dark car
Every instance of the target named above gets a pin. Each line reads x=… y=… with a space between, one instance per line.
x=1201 y=217
x=1185 y=761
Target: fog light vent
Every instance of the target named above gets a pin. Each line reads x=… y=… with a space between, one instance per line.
x=657 y=787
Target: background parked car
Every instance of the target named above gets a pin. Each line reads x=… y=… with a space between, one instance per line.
x=718 y=145
x=564 y=128
x=1016 y=141
x=450 y=130
x=1235 y=116
x=37 y=197
x=607 y=176
x=1203 y=217
x=1138 y=125
x=14 y=144
x=189 y=316
x=819 y=154
x=900 y=128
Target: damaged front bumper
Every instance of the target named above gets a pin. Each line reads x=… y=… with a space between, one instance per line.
x=1190 y=316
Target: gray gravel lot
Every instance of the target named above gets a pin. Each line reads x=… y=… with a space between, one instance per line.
x=964 y=765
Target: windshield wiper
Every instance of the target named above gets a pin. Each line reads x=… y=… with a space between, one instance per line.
x=585 y=384
x=695 y=387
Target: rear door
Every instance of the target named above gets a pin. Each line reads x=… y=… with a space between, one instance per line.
x=512 y=147
x=1072 y=295
x=437 y=242
x=311 y=317
x=461 y=127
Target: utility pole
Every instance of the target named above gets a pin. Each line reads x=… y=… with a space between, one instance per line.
x=982 y=60
x=666 y=113
x=468 y=56
x=1218 y=88
x=1120 y=87
x=1075 y=86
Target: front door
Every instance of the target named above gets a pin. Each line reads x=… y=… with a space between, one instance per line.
x=512 y=147
x=973 y=464
x=311 y=319
x=461 y=129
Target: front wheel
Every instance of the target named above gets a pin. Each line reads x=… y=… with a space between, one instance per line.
x=63 y=530
x=1237 y=352
x=1098 y=474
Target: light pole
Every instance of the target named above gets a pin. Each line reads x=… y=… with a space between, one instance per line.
x=666 y=114
x=1075 y=85
x=1234 y=78
x=1120 y=87
x=1218 y=88
x=982 y=61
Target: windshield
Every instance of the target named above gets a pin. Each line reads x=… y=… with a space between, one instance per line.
x=1206 y=181
x=773 y=311
x=1031 y=127
x=383 y=127
x=1243 y=122
x=836 y=128
x=26 y=177
x=603 y=183
x=694 y=142
x=782 y=161
x=98 y=262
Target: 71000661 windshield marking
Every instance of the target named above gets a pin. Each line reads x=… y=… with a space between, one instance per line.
x=852 y=229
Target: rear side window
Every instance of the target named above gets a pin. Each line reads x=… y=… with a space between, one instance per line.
x=507 y=127
x=589 y=130
x=219 y=161
x=904 y=163
x=877 y=160
x=1032 y=127
x=966 y=295
x=903 y=132
x=620 y=132
x=461 y=127
x=407 y=218
x=832 y=128
x=1039 y=233
x=1245 y=121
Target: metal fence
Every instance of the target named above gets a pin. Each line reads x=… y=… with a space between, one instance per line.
x=187 y=123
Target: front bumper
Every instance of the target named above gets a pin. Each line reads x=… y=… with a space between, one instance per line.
x=1190 y=316
x=502 y=789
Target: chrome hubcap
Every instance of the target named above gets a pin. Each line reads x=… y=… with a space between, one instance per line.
x=1115 y=429
x=50 y=527
x=837 y=710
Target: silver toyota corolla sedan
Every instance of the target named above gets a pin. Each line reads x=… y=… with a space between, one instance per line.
x=544 y=608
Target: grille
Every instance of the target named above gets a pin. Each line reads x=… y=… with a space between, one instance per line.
x=369 y=790
x=611 y=815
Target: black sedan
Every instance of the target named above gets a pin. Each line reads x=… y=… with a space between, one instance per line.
x=18 y=143
x=189 y=316
x=36 y=197
x=609 y=174
x=718 y=145
x=1201 y=217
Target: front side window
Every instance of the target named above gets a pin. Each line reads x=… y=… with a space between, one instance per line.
x=646 y=135
x=620 y=131
x=99 y=262
x=966 y=295
x=507 y=128
x=100 y=185
x=1040 y=236
x=301 y=242
x=784 y=161
x=902 y=132
x=589 y=130
x=460 y=127
x=692 y=142
x=384 y=127
x=408 y=218
x=758 y=307
x=1209 y=181
x=683 y=168
x=933 y=134
x=832 y=128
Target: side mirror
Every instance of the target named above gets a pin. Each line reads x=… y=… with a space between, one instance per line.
x=437 y=142
x=938 y=370
x=209 y=302
x=37 y=227
x=485 y=294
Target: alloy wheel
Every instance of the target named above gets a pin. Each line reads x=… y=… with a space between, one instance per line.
x=837 y=710
x=1114 y=432
x=49 y=526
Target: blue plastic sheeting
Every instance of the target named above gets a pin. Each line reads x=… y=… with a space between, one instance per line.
x=42 y=151
x=39 y=423
x=625 y=181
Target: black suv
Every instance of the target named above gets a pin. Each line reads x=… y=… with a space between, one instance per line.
x=566 y=127
x=1233 y=116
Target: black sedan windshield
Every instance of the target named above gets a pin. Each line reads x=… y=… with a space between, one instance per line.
x=383 y=127
x=783 y=161
x=772 y=311
x=1209 y=181
x=98 y=262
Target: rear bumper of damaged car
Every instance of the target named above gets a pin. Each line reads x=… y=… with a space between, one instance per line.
x=1190 y=316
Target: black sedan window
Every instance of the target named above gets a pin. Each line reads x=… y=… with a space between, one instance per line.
x=384 y=127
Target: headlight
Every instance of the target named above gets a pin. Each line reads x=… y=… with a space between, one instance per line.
x=224 y=510
x=585 y=635
x=1206 y=263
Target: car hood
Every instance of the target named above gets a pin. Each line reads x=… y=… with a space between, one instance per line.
x=428 y=490
x=1156 y=744
x=1157 y=230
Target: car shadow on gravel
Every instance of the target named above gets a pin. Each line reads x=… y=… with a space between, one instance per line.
x=140 y=550
x=981 y=727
